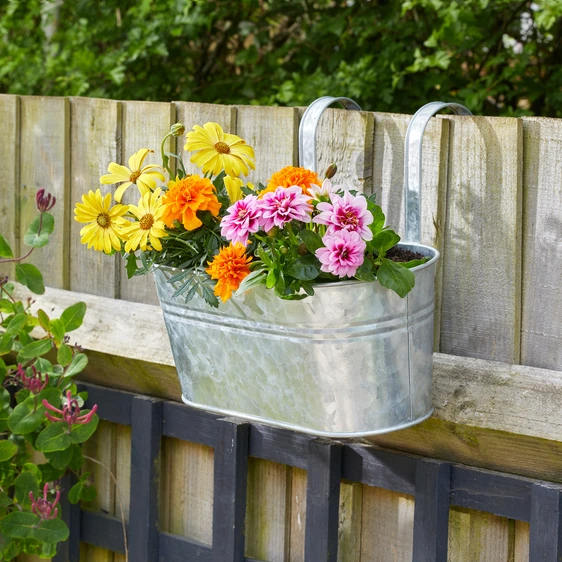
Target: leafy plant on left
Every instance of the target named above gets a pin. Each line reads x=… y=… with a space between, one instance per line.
x=41 y=412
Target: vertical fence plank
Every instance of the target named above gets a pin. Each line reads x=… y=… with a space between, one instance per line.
x=387 y=526
x=478 y=536
x=388 y=184
x=123 y=445
x=273 y=132
x=44 y=160
x=298 y=515
x=268 y=511
x=481 y=314
x=546 y=524
x=231 y=473
x=191 y=114
x=9 y=175
x=346 y=139
x=101 y=447
x=322 y=501
x=145 y=452
x=349 y=534
x=541 y=344
x=144 y=126
x=431 y=515
x=521 y=543
x=95 y=141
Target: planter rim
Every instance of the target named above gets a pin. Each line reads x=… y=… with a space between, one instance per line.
x=319 y=286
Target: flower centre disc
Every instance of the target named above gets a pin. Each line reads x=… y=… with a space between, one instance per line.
x=103 y=220
x=147 y=221
x=135 y=176
x=222 y=148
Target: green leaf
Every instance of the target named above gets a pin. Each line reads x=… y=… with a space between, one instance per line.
x=60 y=459
x=49 y=550
x=271 y=279
x=378 y=218
x=43 y=365
x=36 y=349
x=77 y=458
x=305 y=268
x=414 y=263
x=82 y=490
x=53 y=438
x=6 y=306
x=385 y=240
x=255 y=278
x=6 y=343
x=64 y=355
x=28 y=275
x=58 y=329
x=73 y=316
x=16 y=324
x=50 y=473
x=3 y=371
x=44 y=320
x=51 y=531
x=365 y=271
x=396 y=277
x=83 y=432
x=30 y=414
x=39 y=239
x=26 y=482
x=312 y=240
x=5 y=250
x=19 y=524
x=77 y=365
x=131 y=265
x=7 y=450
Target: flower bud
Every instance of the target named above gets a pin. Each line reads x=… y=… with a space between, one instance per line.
x=302 y=250
x=273 y=232
x=44 y=202
x=331 y=171
x=177 y=129
x=284 y=250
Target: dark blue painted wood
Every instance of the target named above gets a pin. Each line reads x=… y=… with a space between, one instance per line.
x=69 y=551
x=145 y=451
x=322 y=501
x=545 y=543
x=383 y=469
x=500 y=494
x=189 y=424
x=230 y=484
x=174 y=548
x=113 y=405
x=279 y=445
x=431 y=515
x=105 y=531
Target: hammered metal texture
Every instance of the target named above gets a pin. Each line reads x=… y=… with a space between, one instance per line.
x=354 y=359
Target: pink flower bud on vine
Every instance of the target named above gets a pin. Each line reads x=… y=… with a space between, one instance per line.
x=44 y=202
x=43 y=507
x=70 y=412
x=34 y=383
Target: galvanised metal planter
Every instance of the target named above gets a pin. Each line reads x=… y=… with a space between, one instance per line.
x=353 y=360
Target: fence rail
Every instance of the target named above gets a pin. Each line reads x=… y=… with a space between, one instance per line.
x=436 y=486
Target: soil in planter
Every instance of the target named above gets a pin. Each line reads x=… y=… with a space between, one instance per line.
x=402 y=255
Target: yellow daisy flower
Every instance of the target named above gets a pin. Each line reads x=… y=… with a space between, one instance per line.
x=143 y=177
x=105 y=222
x=216 y=150
x=149 y=227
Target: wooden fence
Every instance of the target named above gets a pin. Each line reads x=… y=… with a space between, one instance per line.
x=492 y=204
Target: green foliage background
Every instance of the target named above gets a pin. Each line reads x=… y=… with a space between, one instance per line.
x=498 y=57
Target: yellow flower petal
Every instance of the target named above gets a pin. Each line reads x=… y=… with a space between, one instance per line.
x=136 y=160
x=120 y=190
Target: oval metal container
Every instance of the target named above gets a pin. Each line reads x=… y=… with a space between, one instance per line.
x=353 y=360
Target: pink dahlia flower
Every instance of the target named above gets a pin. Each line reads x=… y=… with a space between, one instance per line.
x=284 y=205
x=346 y=213
x=243 y=219
x=326 y=190
x=343 y=253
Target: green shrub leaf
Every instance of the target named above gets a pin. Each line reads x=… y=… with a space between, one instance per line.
x=5 y=250
x=7 y=450
x=19 y=524
x=26 y=482
x=27 y=274
x=64 y=355
x=54 y=438
x=60 y=459
x=77 y=365
x=39 y=239
x=36 y=349
x=51 y=531
x=73 y=316
x=83 y=432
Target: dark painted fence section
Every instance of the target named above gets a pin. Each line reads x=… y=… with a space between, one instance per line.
x=436 y=485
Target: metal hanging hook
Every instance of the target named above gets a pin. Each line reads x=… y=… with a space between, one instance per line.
x=413 y=164
x=309 y=126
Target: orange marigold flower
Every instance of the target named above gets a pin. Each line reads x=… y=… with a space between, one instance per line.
x=230 y=267
x=291 y=175
x=185 y=197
